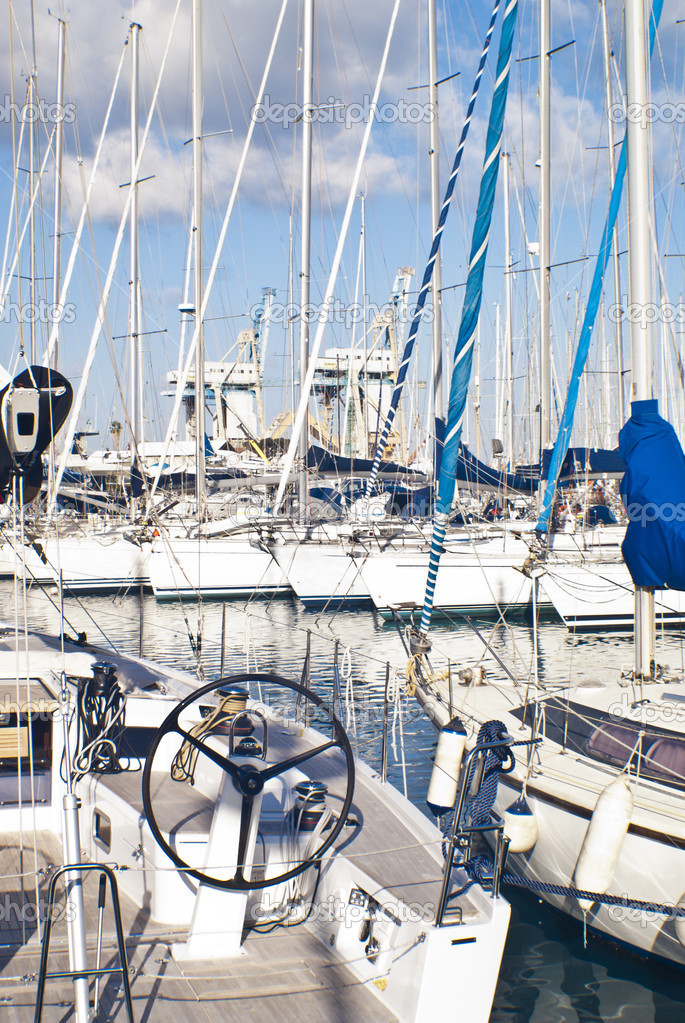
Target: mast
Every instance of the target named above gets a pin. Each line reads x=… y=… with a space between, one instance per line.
x=59 y=153
x=499 y=401
x=614 y=249
x=31 y=106
x=53 y=355
x=639 y=262
x=134 y=301
x=436 y=282
x=197 y=263
x=305 y=251
x=365 y=368
x=544 y=217
x=508 y=338
x=476 y=397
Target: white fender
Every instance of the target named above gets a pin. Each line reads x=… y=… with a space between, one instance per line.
x=520 y=826
x=603 y=839
x=442 y=791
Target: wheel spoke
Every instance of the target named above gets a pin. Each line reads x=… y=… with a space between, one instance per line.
x=249 y=780
x=223 y=762
x=285 y=765
x=245 y=822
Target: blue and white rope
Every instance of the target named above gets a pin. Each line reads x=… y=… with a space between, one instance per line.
x=463 y=356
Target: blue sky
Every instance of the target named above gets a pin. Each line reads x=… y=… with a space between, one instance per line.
x=349 y=41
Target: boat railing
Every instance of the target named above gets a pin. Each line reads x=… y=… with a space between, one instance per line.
x=460 y=834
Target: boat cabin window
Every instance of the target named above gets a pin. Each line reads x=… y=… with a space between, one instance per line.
x=652 y=752
x=136 y=741
x=26 y=719
x=102 y=830
x=615 y=743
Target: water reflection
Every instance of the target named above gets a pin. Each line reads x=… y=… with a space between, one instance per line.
x=547 y=975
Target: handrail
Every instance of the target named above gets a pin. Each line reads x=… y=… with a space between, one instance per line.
x=122 y=968
x=459 y=831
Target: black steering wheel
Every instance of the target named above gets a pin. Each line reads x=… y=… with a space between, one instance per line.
x=249 y=780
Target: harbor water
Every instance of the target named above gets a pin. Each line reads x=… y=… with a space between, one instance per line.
x=549 y=974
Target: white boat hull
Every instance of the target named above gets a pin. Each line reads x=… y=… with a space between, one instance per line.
x=224 y=567
x=483 y=578
x=561 y=830
x=602 y=595
x=323 y=575
x=99 y=563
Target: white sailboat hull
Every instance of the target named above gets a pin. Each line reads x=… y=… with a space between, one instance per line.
x=25 y=561
x=561 y=830
x=322 y=574
x=99 y=563
x=480 y=578
x=222 y=567
x=602 y=595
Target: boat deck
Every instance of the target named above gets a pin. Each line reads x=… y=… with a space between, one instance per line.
x=402 y=857
x=289 y=975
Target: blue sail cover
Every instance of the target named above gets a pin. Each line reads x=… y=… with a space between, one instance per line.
x=653 y=492
x=585 y=462
x=564 y=437
x=480 y=476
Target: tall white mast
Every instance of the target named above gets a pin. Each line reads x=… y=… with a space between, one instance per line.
x=434 y=154
x=508 y=333
x=59 y=153
x=365 y=336
x=544 y=217
x=134 y=301
x=31 y=106
x=639 y=261
x=614 y=250
x=197 y=262
x=305 y=251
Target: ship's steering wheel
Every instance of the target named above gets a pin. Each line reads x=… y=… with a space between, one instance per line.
x=249 y=780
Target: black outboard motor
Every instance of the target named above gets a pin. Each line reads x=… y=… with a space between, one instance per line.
x=33 y=408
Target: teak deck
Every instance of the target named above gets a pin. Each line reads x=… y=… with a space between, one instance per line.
x=288 y=976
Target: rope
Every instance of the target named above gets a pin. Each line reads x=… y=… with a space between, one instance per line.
x=463 y=352
x=480 y=870
x=499 y=760
x=432 y=258
x=100 y=725
x=183 y=764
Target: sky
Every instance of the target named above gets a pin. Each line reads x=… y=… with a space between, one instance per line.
x=349 y=40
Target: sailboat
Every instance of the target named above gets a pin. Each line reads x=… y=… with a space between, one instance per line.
x=240 y=849
x=593 y=808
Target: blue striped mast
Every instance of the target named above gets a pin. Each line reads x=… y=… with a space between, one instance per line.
x=463 y=354
x=563 y=440
x=432 y=259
